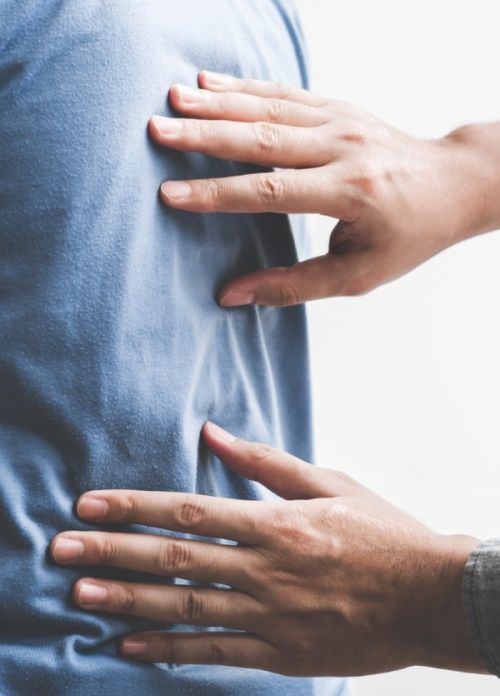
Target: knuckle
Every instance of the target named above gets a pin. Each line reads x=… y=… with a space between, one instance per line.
x=296 y=528
x=336 y=547
x=213 y=190
x=218 y=653
x=281 y=289
x=192 y=607
x=354 y=137
x=282 y=90
x=173 y=557
x=201 y=130
x=364 y=186
x=246 y=85
x=125 y=598
x=275 y=110
x=280 y=518
x=129 y=507
x=287 y=295
x=108 y=550
x=271 y=189
x=167 y=651
x=266 y=136
x=223 y=101
x=260 y=452
x=189 y=513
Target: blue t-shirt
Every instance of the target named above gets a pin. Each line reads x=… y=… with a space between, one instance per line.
x=113 y=350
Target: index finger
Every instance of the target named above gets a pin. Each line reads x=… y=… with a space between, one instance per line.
x=189 y=513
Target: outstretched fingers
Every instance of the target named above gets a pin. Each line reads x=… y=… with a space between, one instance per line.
x=238 y=106
x=178 y=604
x=188 y=513
x=266 y=144
x=288 y=191
x=218 y=82
x=158 y=555
x=232 y=649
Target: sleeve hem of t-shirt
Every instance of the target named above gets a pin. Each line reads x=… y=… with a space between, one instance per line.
x=481 y=597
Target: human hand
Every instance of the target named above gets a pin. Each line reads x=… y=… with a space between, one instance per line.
x=399 y=199
x=333 y=581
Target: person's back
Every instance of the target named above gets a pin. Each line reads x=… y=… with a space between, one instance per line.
x=112 y=349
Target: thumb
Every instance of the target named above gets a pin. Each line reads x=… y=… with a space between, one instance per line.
x=285 y=475
x=323 y=276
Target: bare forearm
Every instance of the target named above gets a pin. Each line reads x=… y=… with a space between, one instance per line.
x=444 y=641
x=475 y=158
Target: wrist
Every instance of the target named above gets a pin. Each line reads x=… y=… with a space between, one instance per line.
x=473 y=164
x=444 y=642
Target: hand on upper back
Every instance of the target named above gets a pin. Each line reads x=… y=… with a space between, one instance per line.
x=399 y=199
x=332 y=581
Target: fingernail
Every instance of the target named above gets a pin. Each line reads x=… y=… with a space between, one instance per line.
x=235 y=298
x=68 y=549
x=192 y=96
x=92 y=594
x=176 y=189
x=219 y=433
x=134 y=647
x=92 y=508
x=217 y=79
x=167 y=126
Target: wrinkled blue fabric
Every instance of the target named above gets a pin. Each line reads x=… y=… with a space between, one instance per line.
x=113 y=350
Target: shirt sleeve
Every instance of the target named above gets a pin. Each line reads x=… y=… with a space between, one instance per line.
x=482 y=602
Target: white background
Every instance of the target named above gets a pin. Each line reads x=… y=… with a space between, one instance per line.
x=407 y=379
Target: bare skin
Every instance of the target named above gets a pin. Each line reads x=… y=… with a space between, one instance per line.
x=331 y=581
x=400 y=200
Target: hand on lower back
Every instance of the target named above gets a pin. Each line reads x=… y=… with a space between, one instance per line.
x=399 y=199
x=332 y=581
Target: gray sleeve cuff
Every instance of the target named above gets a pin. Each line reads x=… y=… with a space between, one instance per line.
x=482 y=602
